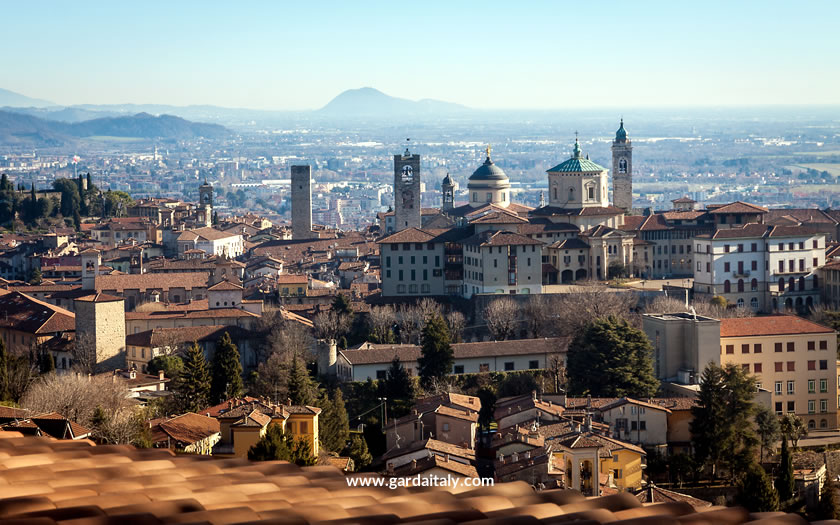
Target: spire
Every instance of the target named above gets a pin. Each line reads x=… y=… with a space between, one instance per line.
x=576 y=151
x=407 y=154
x=488 y=149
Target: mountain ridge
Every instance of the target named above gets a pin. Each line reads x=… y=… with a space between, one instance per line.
x=368 y=101
x=13 y=99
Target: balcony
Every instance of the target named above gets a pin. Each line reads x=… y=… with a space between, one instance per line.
x=808 y=269
x=741 y=273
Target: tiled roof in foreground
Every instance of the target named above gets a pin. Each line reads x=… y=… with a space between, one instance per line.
x=47 y=481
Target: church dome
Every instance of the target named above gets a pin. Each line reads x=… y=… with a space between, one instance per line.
x=447 y=181
x=488 y=171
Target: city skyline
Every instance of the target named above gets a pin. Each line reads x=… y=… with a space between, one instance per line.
x=484 y=56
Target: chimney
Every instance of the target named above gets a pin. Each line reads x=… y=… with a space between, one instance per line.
x=413 y=463
x=588 y=400
x=160 y=375
x=534 y=394
x=587 y=421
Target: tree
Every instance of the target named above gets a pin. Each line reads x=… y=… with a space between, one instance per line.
x=785 y=482
x=341 y=305
x=331 y=325
x=411 y=321
x=767 y=428
x=617 y=270
x=721 y=432
x=277 y=445
x=193 y=384
x=333 y=423
x=70 y=197
x=719 y=302
x=76 y=397
x=829 y=507
x=456 y=322
x=301 y=388
x=381 y=321
x=436 y=356
x=501 y=318
x=398 y=384
x=46 y=362
x=755 y=490
x=172 y=365
x=537 y=312
x=358 y=450
x=573 y=311
x=227 y=371
x=610 y=358
x=4 y=371
x=793 y=428
x=35 y=277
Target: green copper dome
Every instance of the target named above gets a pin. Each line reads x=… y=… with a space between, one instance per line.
x=577 y=163
x=621 y=134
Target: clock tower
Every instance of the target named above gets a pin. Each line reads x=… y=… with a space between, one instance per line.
x=406 y=191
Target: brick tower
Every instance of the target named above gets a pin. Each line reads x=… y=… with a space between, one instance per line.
x=622 y=169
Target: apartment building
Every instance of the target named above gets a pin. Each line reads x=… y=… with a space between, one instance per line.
x=500 y=262
x=762 y=267
x=829 y=277
x=412 y=263
x=793 y=358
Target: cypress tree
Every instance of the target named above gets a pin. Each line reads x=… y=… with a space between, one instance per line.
x=47 y=362
x=358 y=450
x=333 y=423
x=301 y=388
x=437 y=356
x=4 y=371
x=227 y=371
x=756 y=492
x=398 y=384
x=785 y=482
x=193 y=384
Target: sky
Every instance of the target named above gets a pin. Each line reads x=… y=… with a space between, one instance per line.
x=295 y=55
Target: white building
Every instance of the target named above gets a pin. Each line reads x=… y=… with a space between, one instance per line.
x=766 y=268
x=212 y=242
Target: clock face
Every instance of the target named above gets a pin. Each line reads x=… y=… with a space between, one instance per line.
x=407 y=172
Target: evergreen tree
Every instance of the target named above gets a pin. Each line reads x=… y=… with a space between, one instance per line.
x=5 y=185
x=46 y=363
x=193 y=384
x=99 y=421
x=756 y=492
x=4 y=371
x=341 y=305
x=77 y=220
x=333 y=423
x=277 y=445
x=36 y=277
x=437 y=356
x=227 y=371
x=172 y=366
x=302 y=390
x=358 y=450
x=785 y=482
x=767 y=428
x=398 y=384
x=829 y=507
x=610 y=358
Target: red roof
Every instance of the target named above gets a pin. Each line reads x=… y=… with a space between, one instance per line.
x=770 y=325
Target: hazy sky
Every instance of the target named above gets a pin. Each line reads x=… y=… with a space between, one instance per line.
x=298 y=54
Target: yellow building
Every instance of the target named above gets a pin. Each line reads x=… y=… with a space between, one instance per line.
x=795 y=359
x=243 y=421
x=587 y=456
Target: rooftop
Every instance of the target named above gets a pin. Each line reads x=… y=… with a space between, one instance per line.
x=770 y=325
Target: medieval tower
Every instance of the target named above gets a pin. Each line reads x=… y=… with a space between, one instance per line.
x=205 y=203
x=622 y=169
x=301 y=202
x=406 y=191
x=447 y=187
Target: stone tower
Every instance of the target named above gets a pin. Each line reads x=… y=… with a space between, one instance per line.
x=622 y=169
x=205 y=203
x=447 y=187
x=406 y=191
x=91 y=260
x=100 y=330
x=301 y=202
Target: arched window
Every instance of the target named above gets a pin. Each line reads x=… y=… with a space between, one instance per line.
x=812 y=424
x=802 y=284
x=740 y=285
x=754 y=303
x=622 y=166
x=740 y=302
x=571 y=194
x=754 y=285
x=823 y=423
x=781 y=285
x=792 y=284
x=726 y=286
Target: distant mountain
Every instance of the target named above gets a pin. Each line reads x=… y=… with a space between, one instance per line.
x=16 y=100
x=21 y=129
x=62 y=114
x=371 y=102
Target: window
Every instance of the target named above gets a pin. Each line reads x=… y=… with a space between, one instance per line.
x=812 y=365
x=811 y=406
x=778 y=347
x=642 y=425
x=757 y=368
x=823 y=406
x=725 y=248
x=533 y=364
x=778 y=389
x=730 y=349
x=757 y=348
x=746 y=367
x=779 y=366
x=726 y=267
x=779 y=408
x=754 y=247
x=791 y=366
x=823 y=345
x=812 y=386
x=823 y=364
x=509 y=366
x=745 y=349
x=791 y=389
x=790 y=347
x=812 y=345
x=458 y=369
x=791 y=406
x=823 y=386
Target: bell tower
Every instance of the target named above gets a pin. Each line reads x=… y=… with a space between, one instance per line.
x=447 y=187
x=622 y=169
x=406 y=191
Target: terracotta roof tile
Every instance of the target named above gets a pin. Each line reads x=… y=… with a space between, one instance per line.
x=770 y=325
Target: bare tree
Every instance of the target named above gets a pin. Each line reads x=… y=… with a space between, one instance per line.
x=410 y=321
x=537 y=311
x=557 y=371
x=287 y=337
x=428 y=307
x=381 y=320
x=85 y=357
x=501 y=316
x=664 y=304
x=574 y=310
x=77 y=396
x=124 y=427
x=456 y=322
x=331 y=325
x=272 y=377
